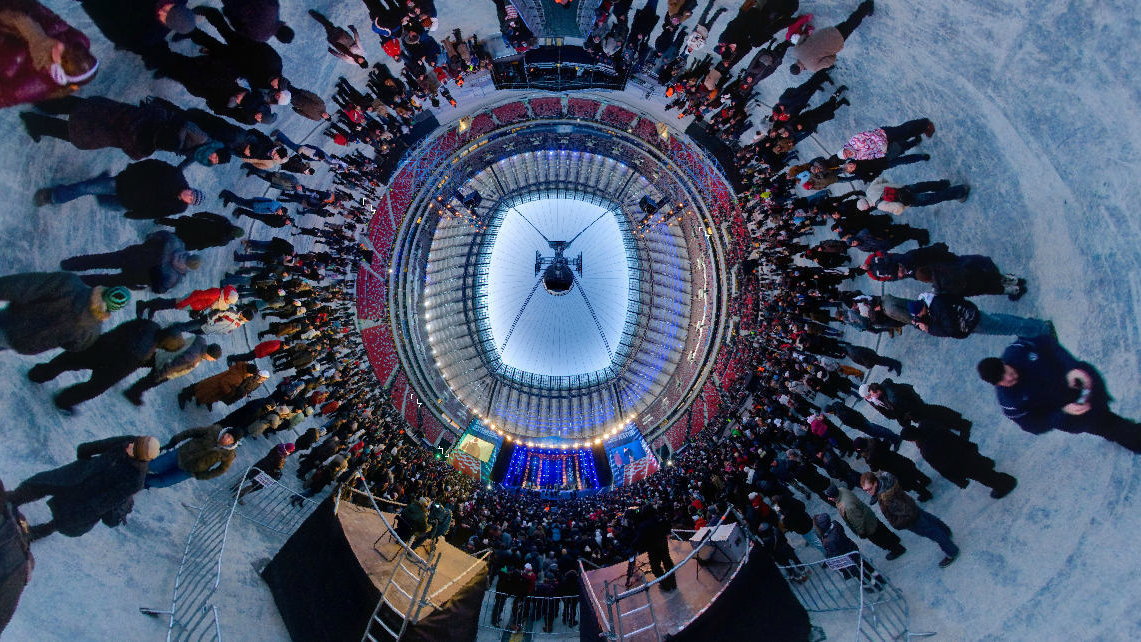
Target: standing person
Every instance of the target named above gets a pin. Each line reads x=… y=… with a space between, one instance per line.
x=48 y=310
x=258 y=20
x=98 y=486
x=171 y=364
x=900 y=401
x=901 y=511
x=863 y=522
x=342 y=44
x=877 y=454
x=203 y=229
x=202 y=453
x=263 y=349
x=836 y=543
x=957 y=459
x=141 y=27
x=818 y=50
x=237 y=381
x=273 y=464
x=199 y=301
x=652 y=537
x=855 y=419
x=869 y=358
x=887 y=142
x=945 y=315
x=1042 y=387
x=412 y=519
x=895 y=199
x=44 y=57
x=111 y=358
x=267 y=210
x=160 y=263
x=146 y=189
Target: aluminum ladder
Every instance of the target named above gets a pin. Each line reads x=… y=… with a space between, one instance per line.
x=619 y=631
x=411 y=578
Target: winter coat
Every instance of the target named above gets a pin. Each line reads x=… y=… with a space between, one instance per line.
x=257 y=20
x=306 y=440
x=266 y=348
x=199 y=300
x=857 y=515
x=874 y=193
x=249 y=384
x=818 y=50
x=898 y=508
x=98 y=485
x=413 y=515
x=951 y=316
x=968 y=275
x=220 y=386
x=307 y=103
x=127 y=346
x=247 y=413
x=223 y=322
x=273 y=463
x=132 y=26
x=138 y=130
x=171 y=364
x=867 y=145
x=48 y=310
x=836 y=542
x=163 y=256
x=204 y=229
x=26 y=35
x=1035 y=402
x=150 y=189
x=202 y=455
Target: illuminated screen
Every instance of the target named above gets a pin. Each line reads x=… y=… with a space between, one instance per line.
x=630 y=457
x=474 y=454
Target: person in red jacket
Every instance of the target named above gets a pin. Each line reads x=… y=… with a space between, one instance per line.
x=210 y=299
x=41 y=56
x=263 y=349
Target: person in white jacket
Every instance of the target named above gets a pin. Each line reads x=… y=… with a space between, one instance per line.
x=894 y=199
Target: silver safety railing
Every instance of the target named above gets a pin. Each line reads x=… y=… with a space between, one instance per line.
x=254 y=496
x=532 y=615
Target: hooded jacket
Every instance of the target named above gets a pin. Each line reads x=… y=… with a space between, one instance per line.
x=898 y=508
x=48 y=310
x=202 y=455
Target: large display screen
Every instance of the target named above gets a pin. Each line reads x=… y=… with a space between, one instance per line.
x=630 y=457
x=474 y=454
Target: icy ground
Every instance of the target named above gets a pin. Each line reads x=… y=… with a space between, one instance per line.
x=1038 y=106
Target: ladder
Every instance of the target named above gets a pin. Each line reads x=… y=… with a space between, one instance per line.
x=651 y=628
x=408 y=584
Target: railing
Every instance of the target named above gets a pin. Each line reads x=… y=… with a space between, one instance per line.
x=254 y=496
x=541 y=617
x=826 y=586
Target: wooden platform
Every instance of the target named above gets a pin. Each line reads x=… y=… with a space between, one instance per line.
x=362 y=527
x=698 y=585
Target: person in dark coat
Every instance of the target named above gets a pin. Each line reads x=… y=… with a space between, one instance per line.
x=98 y=486
x=877 y=454
x=957 y=459
x=159 y=263
x=140 y=26
x=309 y=438
x=217 y=82
x=257 y=62
x=901 y=512
x=315 y=457
x=1042 y=387
x=173 y=364
x=48 y=310
x=651 y=536
x=273 y=464
x=112 y=358
x=146 y=189
x=203 y=229
x=246 y=414
x=139 y=130
x=900 y=401
x=258 y=20
x=836 y=543
x=945 y=315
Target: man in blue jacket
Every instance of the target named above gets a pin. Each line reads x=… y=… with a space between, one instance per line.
x=1042 y=387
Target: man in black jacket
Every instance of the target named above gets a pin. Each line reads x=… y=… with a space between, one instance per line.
x=651 y=536
x=99 y=485
x=160 y=262
x=203 y=229
x=112 y=358
x=146 y=189
x=957 y=459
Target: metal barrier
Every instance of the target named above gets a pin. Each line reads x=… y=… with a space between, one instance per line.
x=827 y=586
x=630 y=624
x=254 y=496
x=540 y=617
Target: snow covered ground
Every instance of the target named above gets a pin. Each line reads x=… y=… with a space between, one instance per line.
x=1038 y=107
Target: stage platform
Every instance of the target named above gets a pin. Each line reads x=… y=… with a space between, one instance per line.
x=328 y=577
x=729 y=594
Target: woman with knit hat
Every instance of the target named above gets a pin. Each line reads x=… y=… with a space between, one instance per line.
x=48 y=310
x=97 y=486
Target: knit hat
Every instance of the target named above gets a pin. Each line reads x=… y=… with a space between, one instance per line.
x=264 y=374
x=180 y=19
x=832 y=492
x=230 y=295
x=915 y=307
x=193 y=261
x=146 y=448
x=865 y=390
x=752 y=495
x=115 y=298
x=863 y=204
x=284 y=97
x=822 y=521
x=197 y=197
